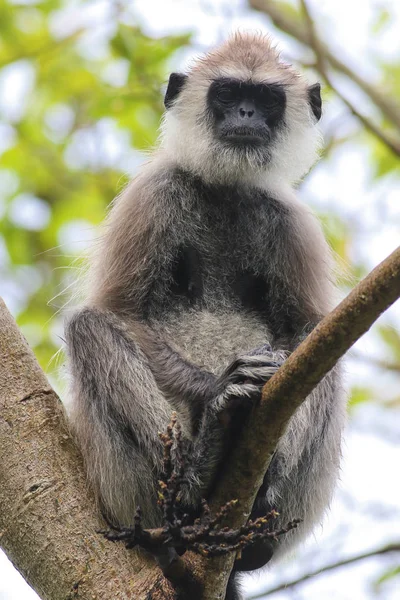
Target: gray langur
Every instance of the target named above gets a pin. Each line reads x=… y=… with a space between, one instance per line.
x=208 y=273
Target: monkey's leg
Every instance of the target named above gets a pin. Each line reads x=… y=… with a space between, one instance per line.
x=117 y=414
x=232 y=589
x=300 y=479
x=118 y=411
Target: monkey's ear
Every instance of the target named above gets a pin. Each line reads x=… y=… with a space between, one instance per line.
x=175 y=84
x=314 y=98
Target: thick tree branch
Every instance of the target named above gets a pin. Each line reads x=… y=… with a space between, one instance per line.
x=300 y=374
x=287 y=389
x=331 y=567
x=47 y=517
x=306 y=36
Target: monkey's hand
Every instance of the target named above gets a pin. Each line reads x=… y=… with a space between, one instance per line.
x=241 y=383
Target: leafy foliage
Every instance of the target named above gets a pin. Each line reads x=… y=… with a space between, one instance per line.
x=88 y=98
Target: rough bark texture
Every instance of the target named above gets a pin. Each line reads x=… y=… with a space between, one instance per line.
x=48 y=518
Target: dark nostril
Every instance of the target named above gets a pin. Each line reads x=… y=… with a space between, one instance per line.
x=246 y=113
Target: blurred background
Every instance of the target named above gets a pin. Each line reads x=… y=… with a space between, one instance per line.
x=81 y=86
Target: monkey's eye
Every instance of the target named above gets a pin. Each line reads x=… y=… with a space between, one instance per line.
x=271 y=95
x=225 y=96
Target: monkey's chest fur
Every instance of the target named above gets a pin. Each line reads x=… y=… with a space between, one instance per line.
x=222 y=286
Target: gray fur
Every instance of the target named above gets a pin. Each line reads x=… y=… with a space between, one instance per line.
x=141 y=348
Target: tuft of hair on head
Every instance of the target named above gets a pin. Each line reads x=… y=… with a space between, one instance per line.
x=187 y=137
x=246 y=56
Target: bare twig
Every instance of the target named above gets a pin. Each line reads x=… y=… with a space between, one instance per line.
x=316 y=45
x=331 y=567
x=377 y=362
x=384 y=137
x=295 y=29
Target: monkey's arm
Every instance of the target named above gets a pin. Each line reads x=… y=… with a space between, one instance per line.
x=182 y=383
x=118 y=410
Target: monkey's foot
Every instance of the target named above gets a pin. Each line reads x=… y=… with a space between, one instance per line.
x=203 y=535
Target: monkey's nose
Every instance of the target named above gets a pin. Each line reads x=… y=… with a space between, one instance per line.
x=246 y=110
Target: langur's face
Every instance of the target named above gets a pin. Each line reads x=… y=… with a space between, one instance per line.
x=230 y=125
x=246 y=115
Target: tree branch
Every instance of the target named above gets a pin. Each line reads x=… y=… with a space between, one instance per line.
x=304 y=35
x=48 y=520
x=288 y=388
x=377 y=362
x=336 y=565
x=302 y=372
x=316 y=45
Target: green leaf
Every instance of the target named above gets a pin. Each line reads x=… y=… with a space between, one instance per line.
x=359 y=395
x=387 y=576
x=391 y=338
x=383 y=18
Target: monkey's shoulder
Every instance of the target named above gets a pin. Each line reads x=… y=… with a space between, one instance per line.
x=175 y=189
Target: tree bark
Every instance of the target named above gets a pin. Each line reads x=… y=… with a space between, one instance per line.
x=48 y=517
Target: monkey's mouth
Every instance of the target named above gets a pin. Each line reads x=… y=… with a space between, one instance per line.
x=245 y=136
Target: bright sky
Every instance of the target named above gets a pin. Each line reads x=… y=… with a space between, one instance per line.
x=342 y=183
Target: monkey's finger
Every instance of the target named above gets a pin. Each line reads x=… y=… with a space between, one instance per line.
x=245 y=393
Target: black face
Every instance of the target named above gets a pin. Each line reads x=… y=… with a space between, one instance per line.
x=246 y=114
